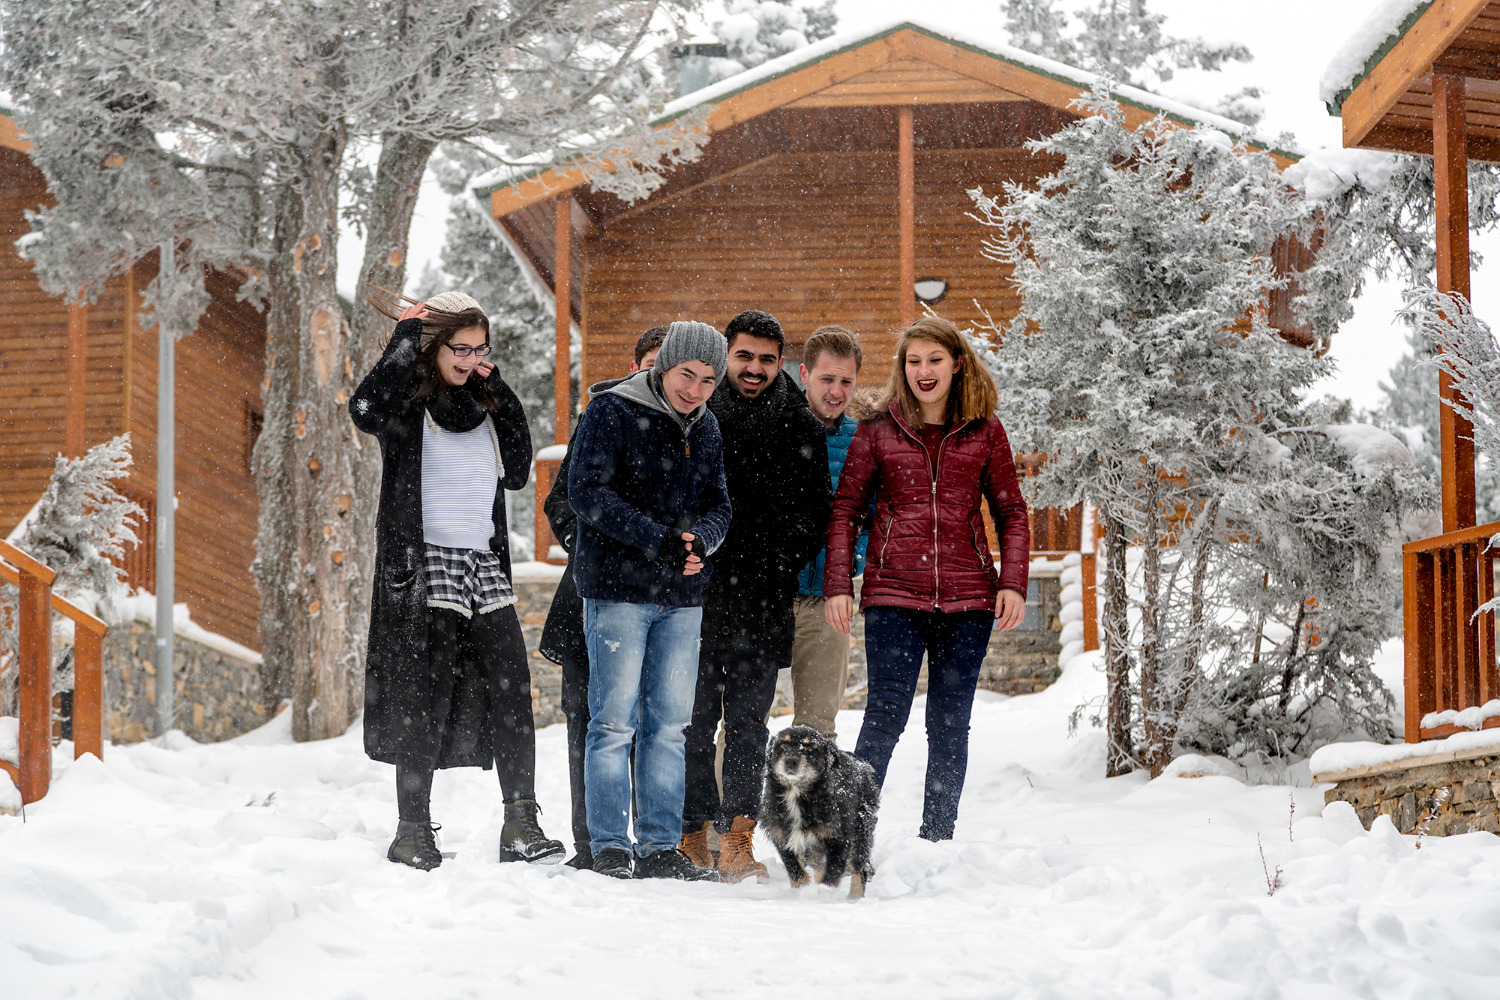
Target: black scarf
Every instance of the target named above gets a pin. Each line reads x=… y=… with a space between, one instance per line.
x=456 y=408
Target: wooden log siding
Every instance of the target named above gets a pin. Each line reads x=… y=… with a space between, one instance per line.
x=219 y=371
x=808 y=237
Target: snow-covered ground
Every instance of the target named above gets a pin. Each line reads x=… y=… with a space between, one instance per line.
x=255 y=868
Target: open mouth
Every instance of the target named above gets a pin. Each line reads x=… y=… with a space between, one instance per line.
x=926 y=384
x=748 y=379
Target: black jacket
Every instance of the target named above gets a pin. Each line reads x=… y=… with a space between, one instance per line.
x=776 y=466
x=640 y=474
x=562 y=636
x=403 y=700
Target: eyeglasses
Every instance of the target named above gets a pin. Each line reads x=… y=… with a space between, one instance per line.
x=464 y=350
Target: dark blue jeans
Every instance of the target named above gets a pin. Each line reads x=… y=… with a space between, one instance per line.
x=895 y=640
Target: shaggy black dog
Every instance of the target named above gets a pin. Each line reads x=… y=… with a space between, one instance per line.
x=819 y=809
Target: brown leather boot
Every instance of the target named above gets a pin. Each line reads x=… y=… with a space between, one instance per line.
x=695 y=846
x=736 y=857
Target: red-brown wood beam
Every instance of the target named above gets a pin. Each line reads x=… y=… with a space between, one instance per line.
x=907 y=208
x=73 y=396
x=1450 y=169
x=562 y=289
x=88 y=692
x=35 y=679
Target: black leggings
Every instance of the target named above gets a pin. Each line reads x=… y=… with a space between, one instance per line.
x=494 y=643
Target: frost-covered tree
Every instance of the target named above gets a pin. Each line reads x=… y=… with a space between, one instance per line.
x=1126 y=42
x=756 y=31
x=80 y=528
x=1142 y=364
x=240 y=132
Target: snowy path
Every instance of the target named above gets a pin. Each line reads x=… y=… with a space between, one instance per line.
x=178 y=873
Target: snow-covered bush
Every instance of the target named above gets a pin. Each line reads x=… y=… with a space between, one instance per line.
x=1141 y=362
x=757 y=31
x=81 y=523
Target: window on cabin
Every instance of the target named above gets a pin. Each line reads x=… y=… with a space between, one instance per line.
x=1033 y=622
x=255 y=421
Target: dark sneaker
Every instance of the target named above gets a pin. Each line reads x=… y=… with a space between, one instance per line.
x=672 y=863
x=415 y=845
x=612 y=862
x=522 y=839
x=583 y=861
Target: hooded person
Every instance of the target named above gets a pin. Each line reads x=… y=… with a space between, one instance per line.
x=646 y=481
x=447 y=682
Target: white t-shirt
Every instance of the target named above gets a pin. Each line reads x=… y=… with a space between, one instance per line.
x=460 y=473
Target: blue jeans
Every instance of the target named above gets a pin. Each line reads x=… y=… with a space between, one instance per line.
x=643 y=666
x=955 y=644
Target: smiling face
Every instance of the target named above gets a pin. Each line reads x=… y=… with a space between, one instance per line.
x=687 y=386
x=453 y=369
x=830 y=386
x=753 y=363
x=929 y=373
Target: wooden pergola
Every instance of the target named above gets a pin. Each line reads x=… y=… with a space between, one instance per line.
x=1433 y=89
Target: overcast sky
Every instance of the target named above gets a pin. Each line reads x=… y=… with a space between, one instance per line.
x=1292 y=40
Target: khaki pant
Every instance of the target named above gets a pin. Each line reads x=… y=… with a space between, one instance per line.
x=820 y=667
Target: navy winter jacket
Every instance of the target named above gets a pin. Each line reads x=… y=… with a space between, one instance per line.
x=641 y=473
x=810 y=580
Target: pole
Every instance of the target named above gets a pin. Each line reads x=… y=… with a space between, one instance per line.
x=166 y=493
x=562 y=292
x=1450 y=168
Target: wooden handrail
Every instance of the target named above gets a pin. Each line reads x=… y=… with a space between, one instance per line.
x=33 y=771
x=1479 y=533
x=1450 y=646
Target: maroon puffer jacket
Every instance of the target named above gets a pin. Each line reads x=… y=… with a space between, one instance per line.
x=928 y=549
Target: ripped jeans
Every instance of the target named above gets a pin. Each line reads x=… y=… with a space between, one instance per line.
x=643 y=668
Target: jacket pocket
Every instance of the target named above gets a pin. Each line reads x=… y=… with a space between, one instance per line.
x=886 y=541
x=402 y=572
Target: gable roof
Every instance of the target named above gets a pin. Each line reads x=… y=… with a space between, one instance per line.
x=896 y=63
x=10 y=134
x=1380 y=83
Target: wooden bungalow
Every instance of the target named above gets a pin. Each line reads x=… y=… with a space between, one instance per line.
x=1432 y=88
x=74 y=375
x=834 y=188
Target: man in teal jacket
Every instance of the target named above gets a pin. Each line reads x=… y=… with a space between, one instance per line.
x=820 y=656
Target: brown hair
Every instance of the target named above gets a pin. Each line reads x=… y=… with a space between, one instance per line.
x=972 y=396
x=649 y=341
x=438 y=327
x=833 y=340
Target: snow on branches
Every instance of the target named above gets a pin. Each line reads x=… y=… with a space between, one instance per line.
x=1142 y=364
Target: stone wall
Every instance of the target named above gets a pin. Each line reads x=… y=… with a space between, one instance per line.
x=1455 y=796
x=218 y=696
x=1018 y=662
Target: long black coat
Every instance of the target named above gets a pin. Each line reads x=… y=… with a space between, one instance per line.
x=405 y=699
x=562 y=635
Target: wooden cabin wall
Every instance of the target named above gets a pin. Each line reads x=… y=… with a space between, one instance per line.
x=809 y=237
x=219 y=372
x=33 y=355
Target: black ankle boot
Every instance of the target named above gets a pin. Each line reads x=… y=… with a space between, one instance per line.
x=522 y=839
x=415 y=845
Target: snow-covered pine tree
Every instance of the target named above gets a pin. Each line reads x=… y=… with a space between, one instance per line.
x=1125 y=42
x=236 y=131
x=78 y=527
x=756 y=31
x=1141 y=362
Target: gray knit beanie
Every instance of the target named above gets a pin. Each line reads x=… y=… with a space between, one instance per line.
x=688 y=340
x=448 y=302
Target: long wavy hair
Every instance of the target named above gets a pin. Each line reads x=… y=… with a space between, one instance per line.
x=972 y=396
x=438 y=328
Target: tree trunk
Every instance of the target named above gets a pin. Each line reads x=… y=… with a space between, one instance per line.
x=1120 y=757
x=307 y=461
x=1154 y=714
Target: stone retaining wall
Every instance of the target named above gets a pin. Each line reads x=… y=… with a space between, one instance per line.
x=1017 y=663
x=1456 y=796
x=218 y=696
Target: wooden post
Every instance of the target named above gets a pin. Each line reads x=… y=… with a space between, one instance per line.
x=562 y=289
x=73 y=418
x=35 y=694
x=1450 y=169
x=906 y=201
x=88 y=689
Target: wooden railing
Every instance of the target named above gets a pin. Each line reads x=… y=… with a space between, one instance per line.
x=1450 y=653
x=33 y=770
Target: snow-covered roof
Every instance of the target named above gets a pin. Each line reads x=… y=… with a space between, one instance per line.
x=1381 y=29
x=798 y=59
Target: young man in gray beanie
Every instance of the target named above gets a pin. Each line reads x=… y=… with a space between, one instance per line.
x=647 y=484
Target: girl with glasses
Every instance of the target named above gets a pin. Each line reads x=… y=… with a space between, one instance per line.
x=446 y=677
